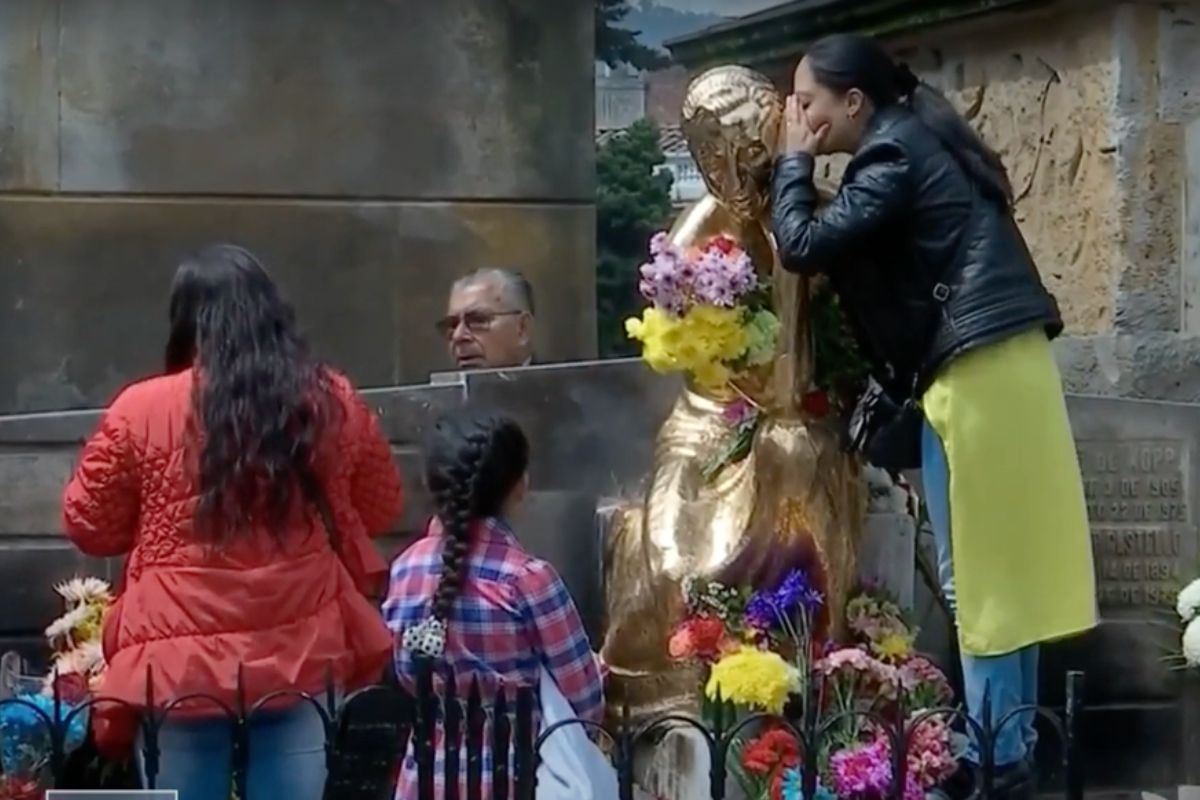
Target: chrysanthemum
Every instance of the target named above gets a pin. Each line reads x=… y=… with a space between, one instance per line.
x=60 y=633
x=84 y=591
x=1191 y=643
x=758 y=679
x=1188 y=601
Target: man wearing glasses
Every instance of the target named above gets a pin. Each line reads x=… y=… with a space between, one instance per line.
x=489 y=320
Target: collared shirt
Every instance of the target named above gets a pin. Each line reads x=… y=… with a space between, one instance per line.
x=512 y=616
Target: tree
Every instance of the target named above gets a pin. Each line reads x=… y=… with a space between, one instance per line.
x=633 y=200
x=616 y=45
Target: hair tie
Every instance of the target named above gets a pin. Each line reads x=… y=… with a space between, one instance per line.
x=906 y=80
x=427 y=638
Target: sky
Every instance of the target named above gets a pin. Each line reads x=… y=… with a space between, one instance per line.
x=728 y=8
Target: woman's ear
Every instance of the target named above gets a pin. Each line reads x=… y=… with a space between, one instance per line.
x=855 y=100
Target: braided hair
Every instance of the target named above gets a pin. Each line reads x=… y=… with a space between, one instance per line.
x=473 y=461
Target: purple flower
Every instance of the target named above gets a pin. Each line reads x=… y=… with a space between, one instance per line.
x=738 y=413
x=793 y=594
x=661 y=281
x=865 y=773
x=794 y=591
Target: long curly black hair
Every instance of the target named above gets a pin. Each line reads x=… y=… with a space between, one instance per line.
x=261 y=403
x=473 y=461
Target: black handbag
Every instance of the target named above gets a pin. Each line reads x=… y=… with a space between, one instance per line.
x=887 y=433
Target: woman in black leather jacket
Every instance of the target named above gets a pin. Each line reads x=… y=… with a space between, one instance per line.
x=930 y=266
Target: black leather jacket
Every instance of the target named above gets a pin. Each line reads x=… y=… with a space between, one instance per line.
x=925 y=265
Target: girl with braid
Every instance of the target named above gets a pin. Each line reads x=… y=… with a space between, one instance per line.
x=470 y=597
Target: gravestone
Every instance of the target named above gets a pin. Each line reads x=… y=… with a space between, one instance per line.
x=1139 y=462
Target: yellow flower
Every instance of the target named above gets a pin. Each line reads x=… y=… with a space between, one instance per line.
x=893 y=647
x=701 y=342
x=757 y=679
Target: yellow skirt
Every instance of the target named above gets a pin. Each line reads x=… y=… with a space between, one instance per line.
x=1018 y=521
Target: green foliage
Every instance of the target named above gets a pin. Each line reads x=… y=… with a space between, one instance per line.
x=841 y=370
x=616 y=45
x=632 y=203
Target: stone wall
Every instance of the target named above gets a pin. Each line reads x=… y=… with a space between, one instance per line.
x=1094 y=129
x=1097 y=130
x=569 y=412
x=370 y=151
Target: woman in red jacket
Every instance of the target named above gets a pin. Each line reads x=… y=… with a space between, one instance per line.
x=243 y=486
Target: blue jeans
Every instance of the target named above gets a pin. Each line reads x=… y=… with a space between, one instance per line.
x=287 y=756
x=1011 y=680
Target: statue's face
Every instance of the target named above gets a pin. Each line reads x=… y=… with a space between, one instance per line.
x=735 y=152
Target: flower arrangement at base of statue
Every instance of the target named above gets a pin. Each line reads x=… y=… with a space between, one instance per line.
x=58 y=697
x=762 y=658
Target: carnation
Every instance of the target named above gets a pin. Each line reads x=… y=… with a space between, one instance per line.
x=865 y=773
x=848 y=658
x=775 y=748
x=926 y=685
x=930 y=756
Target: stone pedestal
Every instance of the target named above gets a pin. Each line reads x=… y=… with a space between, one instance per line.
x=887 y=555
x=678 y=769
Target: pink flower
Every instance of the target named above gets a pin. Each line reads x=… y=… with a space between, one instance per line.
x=681 y=644
x=865 y=773
x=848 y=658
x=738 y=413
x=925 y=684
x=930 y=759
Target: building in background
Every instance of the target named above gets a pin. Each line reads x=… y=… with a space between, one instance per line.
x=625 y=95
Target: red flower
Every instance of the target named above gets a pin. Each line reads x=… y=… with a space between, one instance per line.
x=774 y=750
x=698 y=637
x=816 y=404
x=72 y=687
x=708 y=637
x=723 y=243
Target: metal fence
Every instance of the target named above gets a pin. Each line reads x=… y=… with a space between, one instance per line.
x=369 y=733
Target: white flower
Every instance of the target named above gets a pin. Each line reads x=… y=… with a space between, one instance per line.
x=59 y=631
x=1191 y=644
x=84 y=591
x=1188 y=602
x=86 y=659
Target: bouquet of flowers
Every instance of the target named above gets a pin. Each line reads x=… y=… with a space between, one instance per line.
x=708 y=314
x=33 y=705
x=762 y=657
x=78 y=659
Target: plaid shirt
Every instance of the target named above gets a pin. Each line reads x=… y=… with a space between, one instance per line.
x=514 y=614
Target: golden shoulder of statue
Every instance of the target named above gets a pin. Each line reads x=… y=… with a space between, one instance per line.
x=796 y=500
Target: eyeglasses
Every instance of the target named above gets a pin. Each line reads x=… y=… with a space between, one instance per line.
x=475 y=321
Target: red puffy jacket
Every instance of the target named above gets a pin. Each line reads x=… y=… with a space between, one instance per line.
x=190 y=614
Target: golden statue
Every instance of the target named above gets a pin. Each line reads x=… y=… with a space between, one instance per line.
x=796 y=500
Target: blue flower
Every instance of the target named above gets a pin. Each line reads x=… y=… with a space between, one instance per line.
x=793 y=594
x=793 y=787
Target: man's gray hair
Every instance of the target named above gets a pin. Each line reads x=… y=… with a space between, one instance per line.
x=513 y=285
